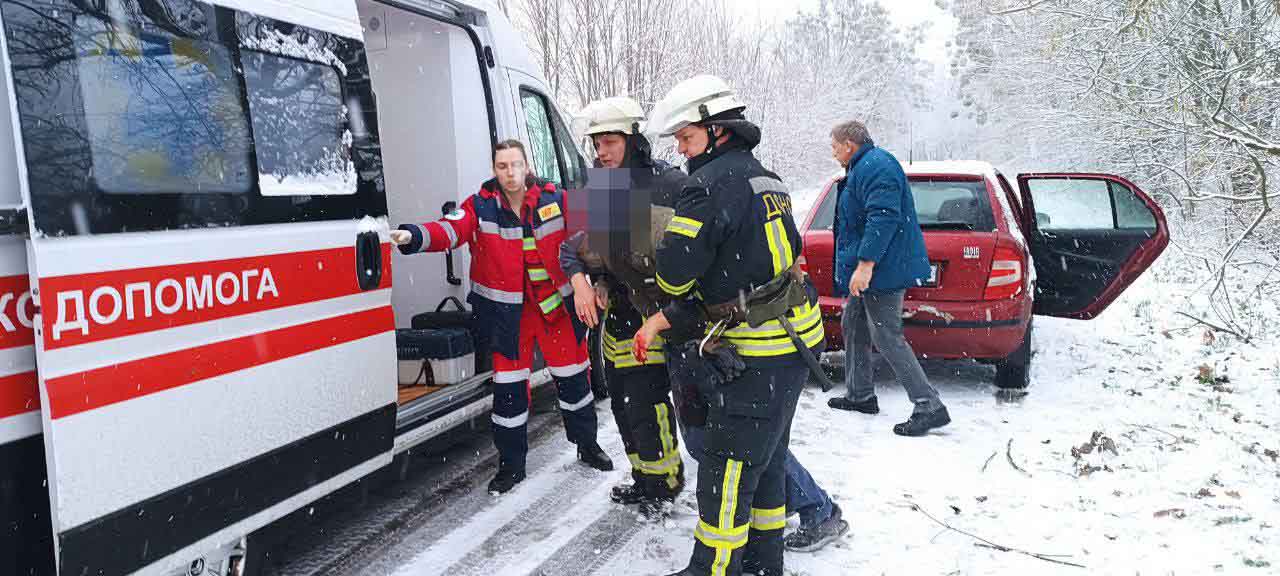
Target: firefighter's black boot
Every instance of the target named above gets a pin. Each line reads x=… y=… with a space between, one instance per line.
x=628 y=494
x=592 y=455
x=505 y=480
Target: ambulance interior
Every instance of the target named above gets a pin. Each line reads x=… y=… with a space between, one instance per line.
x=434 y=129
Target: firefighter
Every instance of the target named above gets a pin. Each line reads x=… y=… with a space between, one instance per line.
x=515 y=225
x=639 y=391
x=733 y=241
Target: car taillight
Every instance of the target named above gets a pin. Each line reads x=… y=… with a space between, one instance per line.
x=1005 y=280
x=804 y=265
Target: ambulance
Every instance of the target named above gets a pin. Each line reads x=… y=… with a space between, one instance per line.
x=198 y=300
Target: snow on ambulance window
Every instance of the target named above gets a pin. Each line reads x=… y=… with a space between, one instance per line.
x=163 y=113
x=299 y=125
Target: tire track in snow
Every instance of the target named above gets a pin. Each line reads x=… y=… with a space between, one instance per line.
x=572 y=495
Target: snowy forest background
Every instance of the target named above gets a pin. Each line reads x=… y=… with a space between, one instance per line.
x=1180 y=96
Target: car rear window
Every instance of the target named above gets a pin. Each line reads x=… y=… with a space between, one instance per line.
x=951 y=204
x=940 y=204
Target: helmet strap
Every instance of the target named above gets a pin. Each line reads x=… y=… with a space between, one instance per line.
x=711 y=139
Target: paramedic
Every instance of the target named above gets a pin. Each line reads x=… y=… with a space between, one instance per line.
x=515 y=225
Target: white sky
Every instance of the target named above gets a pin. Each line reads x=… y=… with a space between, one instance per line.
x=904 y=12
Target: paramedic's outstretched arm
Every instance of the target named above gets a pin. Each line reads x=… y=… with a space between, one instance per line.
x=452 y=231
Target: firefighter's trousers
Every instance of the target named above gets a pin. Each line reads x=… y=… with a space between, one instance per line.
x=742 y=479
x=566 y=358
x=641 y=403
x=640 y=397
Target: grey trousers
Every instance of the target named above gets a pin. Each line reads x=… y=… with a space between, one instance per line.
x=877 y=319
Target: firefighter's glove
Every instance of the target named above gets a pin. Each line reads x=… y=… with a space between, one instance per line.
x=724 y=361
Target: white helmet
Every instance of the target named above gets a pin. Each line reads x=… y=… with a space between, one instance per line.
x=618 y=114
x=693 y=101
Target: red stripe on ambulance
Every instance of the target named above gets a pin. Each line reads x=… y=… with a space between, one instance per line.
x=85 y=391
x=88 y=308
x=19 y=394
x=17 y=312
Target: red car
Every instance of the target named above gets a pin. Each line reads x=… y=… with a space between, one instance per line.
x=1061 y=245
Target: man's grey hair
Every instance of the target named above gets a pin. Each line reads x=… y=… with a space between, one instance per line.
x=852 y=131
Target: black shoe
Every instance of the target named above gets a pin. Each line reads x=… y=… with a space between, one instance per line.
x=594 y=457
x=504 y=481
x=868 y=406
x=814 y=538
x=921 y=423
x=628 y=494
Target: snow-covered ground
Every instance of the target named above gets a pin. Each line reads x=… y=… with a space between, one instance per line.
x=1178 y=475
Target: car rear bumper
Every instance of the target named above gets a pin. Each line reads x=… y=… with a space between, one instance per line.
x=981 y=330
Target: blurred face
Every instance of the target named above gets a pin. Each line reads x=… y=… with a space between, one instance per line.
x=692 y=141
x=510 y=169
x=843 y=151
x=611 y=149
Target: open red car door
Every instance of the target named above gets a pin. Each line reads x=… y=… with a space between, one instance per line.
x=1091 y=236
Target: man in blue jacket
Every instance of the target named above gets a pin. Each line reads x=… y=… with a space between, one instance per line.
x=880 y=253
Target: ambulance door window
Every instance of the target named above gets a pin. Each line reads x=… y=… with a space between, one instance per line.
x=542 y=143
x=182 y=114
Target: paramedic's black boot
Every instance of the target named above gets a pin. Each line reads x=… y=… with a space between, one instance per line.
x=868 y=406
x=504 y=481
x=814 y=538
x=920 y=423
x=593 y=456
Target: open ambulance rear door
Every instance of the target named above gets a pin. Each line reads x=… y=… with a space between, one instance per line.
x=214 y=334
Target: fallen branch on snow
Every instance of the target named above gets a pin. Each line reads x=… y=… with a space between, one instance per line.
x=1215 y=327
x=984 y=543
x=1008 y=453
x=988 y=462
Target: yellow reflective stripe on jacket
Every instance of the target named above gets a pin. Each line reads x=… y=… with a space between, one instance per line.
x=539 y=274
x=779 y=245
x=618 y=352
x=530 y=244
x=769 y=519
x=673 y=289
x=549 y=305
x=771 y=339
x=684 y=226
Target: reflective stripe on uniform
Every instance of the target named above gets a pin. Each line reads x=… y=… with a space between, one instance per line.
x=771 y=339
x=509 y=376
x=570 y=370
x=618 y=352
x=762 y=184
x=583 y=403
x=684 y=226
x=673 y=289
x=725 y=537
x=451 y=233
x=539 y=274
x=668 y=442
x=495 y=294
x=549 y=304
x=779 y=245
x=548 y=228
x=506 y=233
x=769 y=519
x=512 y=422
x=530 y=244
x=667 y=466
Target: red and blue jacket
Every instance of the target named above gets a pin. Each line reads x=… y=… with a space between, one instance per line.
x=503 y=277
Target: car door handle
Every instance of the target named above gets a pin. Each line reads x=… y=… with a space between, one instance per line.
x=368 y=260
x=450 y=277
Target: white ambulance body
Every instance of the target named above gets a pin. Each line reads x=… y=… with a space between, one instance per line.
x=194 y=198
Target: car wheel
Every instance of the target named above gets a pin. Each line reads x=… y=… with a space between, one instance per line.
x=1014 y=371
